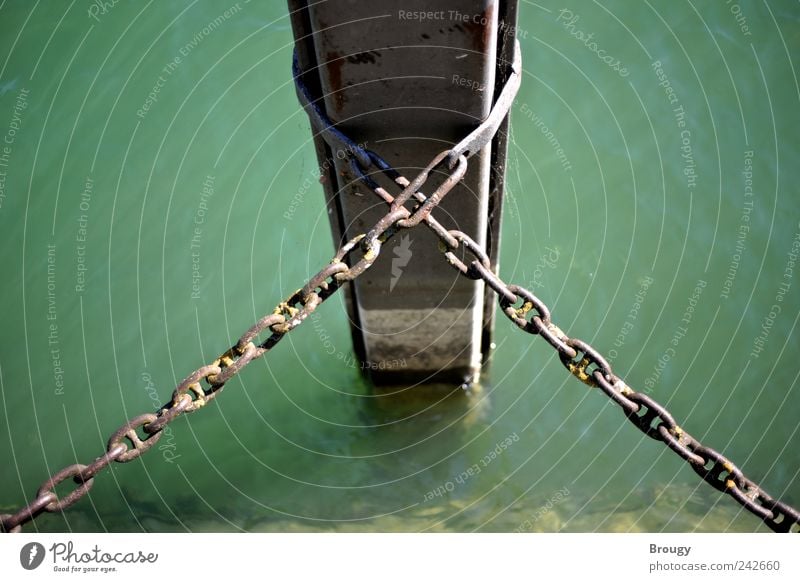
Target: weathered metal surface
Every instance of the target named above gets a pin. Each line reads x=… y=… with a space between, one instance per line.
x=406 y=79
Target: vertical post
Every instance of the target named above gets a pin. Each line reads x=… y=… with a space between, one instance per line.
x=408 y=80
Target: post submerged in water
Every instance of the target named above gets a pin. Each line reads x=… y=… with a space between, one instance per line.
x=407 y=81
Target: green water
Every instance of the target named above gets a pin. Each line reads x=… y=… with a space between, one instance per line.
x=121 y=275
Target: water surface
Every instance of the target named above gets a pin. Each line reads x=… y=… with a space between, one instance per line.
x=652 y=203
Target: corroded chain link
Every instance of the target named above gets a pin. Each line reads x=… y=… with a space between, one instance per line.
x=532 y=315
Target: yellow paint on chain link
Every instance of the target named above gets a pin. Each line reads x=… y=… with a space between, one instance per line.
x=579 y=371
x=526 y=307
x=176 y=400
x=222 y=362
x=247 y=346
x=285 y=309
x=198 y=403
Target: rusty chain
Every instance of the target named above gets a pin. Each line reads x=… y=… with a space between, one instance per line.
x=190 y=395
x=591 y=367
x=588 y=365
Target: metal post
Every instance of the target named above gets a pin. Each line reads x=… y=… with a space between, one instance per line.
x=409 y=80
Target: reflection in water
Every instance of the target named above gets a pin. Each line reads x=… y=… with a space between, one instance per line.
x=435 y=405
x=436 y=497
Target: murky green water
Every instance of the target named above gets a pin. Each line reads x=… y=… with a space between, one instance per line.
x=140 y=237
